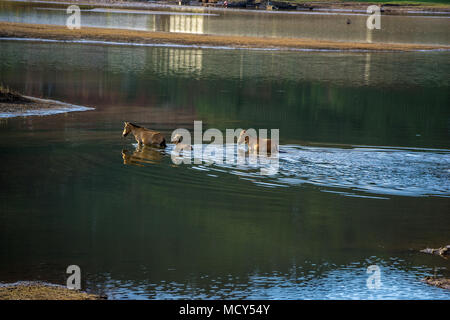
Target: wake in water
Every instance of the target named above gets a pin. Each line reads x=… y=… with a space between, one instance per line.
x=383 y=171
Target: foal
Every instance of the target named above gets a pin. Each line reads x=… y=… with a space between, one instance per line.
x=254 y=143
x=180 y=146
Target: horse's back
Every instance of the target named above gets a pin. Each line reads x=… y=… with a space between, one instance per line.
x=154 y=137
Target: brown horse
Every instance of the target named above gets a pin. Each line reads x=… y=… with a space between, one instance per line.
x=253 y=143
x=180 y=146
x=144 y=136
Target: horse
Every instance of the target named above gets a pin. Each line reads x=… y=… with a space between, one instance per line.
x=253 y=143
x=180 y=146
x=144 y=136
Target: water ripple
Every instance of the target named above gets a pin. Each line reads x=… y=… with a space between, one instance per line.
x=384 y=171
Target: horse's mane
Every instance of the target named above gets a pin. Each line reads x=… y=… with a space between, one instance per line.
x=135 y=125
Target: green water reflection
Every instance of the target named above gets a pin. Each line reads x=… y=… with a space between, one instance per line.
x=160 y=230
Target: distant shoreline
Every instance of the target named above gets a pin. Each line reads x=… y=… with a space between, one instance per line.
x=387 y=7
x=55 y=32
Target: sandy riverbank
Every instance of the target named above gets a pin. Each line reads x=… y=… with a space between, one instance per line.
x=42 y=291
x=39 y=31
x=13 y=104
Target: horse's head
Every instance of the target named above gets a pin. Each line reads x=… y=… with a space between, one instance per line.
x=177 y=139
x=243 y=137
x=126 y=129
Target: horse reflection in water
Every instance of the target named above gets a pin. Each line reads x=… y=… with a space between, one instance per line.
x=142 y=155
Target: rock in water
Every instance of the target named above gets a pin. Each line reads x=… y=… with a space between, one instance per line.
x=443 y=252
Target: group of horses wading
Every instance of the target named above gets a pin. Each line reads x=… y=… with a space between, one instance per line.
x=146 y=137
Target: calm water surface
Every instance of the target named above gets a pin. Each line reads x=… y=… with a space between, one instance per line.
x=314 y=25
x=364 y=173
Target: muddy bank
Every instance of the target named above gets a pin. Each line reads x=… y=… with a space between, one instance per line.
x=443 y=252
x=442 y=283
x=42 y=291
x=40 y=31
x=13 y=104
